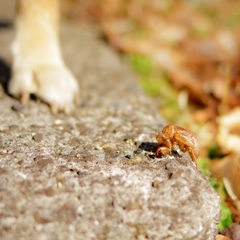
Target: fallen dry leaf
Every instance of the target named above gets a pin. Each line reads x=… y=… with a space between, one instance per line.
x=231 y=176
x=229 y=131
x=234 y=206
x=221 y=237
x=233 y=232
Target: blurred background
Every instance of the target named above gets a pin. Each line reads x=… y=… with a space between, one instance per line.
x=186 y=54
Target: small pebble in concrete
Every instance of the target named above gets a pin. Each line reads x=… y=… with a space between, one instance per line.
x=38 y=137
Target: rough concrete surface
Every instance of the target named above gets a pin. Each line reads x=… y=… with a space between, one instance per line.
x=92 y=174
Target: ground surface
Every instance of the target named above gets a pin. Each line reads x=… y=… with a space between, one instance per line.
x=92 y=174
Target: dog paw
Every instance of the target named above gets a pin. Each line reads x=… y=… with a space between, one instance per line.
x=53 y=84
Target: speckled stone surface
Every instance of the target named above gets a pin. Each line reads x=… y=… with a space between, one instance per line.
x=92 y=174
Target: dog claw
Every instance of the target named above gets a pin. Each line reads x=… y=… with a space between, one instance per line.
x=54 y=108
x=25 y=97
x=76 y=100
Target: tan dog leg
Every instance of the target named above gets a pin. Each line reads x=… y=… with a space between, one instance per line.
x=38 y=67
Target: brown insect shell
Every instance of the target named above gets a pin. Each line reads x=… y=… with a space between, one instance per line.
x=186 y=138
x=163 y=140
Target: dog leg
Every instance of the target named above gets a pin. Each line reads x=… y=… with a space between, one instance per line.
x=38 y=67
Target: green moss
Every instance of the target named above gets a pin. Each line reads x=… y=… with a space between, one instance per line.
x=203 y=164
x=233 y=19
x=142 y=64
x=219 y=187
x=156 y=83
x=226 y=217
x=214 y=151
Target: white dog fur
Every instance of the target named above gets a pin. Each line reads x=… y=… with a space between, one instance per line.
x=38 y=66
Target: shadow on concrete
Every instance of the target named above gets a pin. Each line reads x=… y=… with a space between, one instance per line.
x=5 y=74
